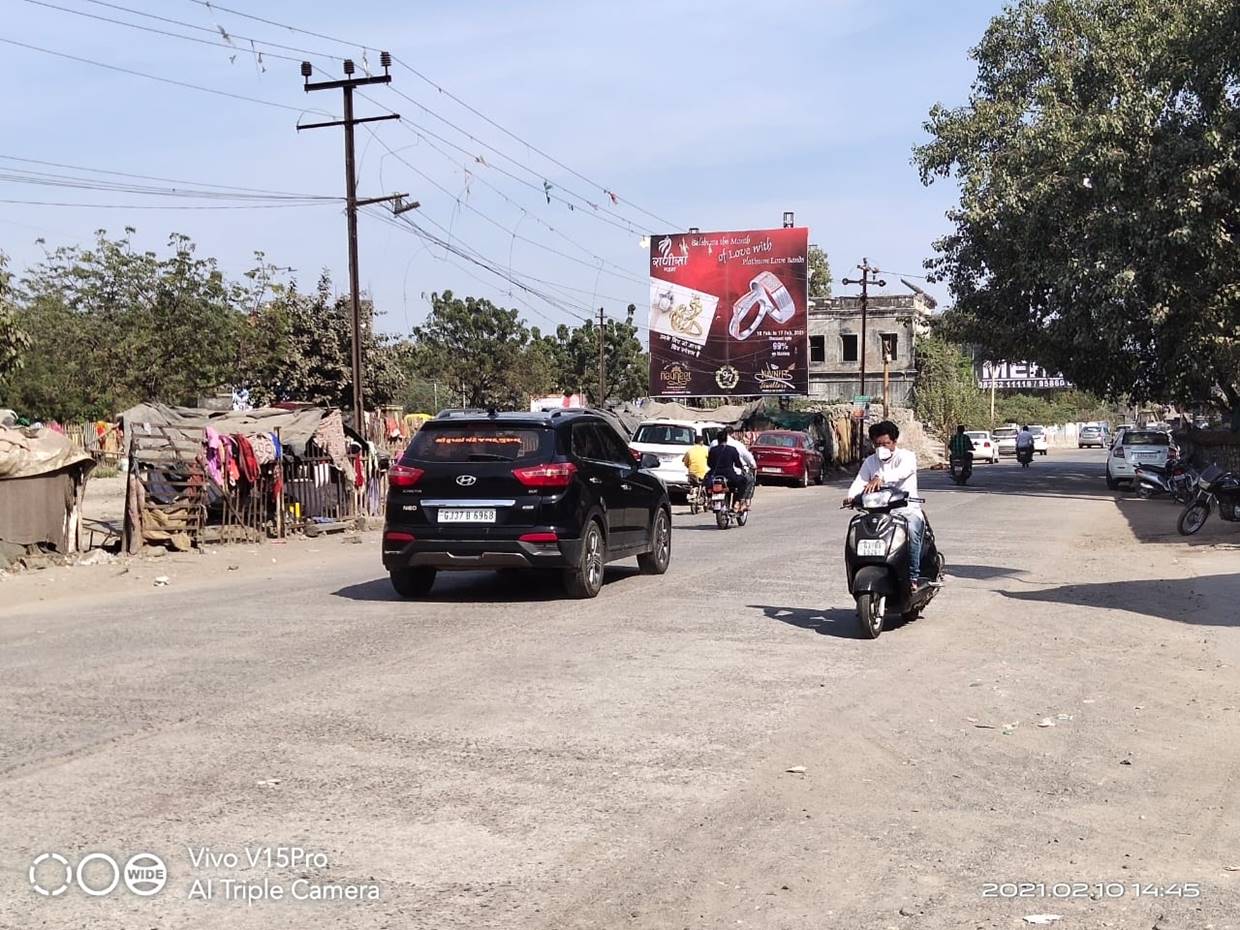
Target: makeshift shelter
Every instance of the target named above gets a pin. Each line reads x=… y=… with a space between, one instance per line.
x=42 y=482
x=247 y=472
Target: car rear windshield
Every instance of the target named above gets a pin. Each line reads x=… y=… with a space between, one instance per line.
x=1146 y=439
x=480 y=442
x=977 y=435
x=1004 y=433
x=663 y=434
x=775 y=439
x=1037 y=430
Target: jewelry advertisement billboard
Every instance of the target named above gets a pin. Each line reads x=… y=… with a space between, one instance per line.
x=728 y=313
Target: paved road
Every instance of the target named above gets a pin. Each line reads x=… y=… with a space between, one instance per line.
x=500 y=757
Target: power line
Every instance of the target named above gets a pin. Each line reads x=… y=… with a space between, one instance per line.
x=210 y=5
x=160 y=206
x=162 y=80
x=149 y=177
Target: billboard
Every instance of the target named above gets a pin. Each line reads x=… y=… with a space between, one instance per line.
x=728 y=313
x=1022 y=376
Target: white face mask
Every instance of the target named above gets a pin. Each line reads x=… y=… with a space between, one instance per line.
x=884 y=454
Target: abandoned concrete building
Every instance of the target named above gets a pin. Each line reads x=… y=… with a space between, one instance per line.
x=892 y=323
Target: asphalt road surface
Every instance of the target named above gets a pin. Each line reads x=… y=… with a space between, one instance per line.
x=712 y=748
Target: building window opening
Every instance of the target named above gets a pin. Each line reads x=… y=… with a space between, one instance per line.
x=849 y=346
x=817 y=348
x=890 y=341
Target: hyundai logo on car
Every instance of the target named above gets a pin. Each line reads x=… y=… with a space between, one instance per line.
x=466 y=480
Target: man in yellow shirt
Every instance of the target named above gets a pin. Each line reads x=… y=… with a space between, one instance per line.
x=695 y=461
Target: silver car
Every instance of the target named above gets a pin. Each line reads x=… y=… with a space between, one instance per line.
x=1136 y=447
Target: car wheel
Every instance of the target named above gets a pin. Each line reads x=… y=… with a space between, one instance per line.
x=413 y=582
x=1112 y=484
x=803 y=481
x=585 y=579
x=656 y=561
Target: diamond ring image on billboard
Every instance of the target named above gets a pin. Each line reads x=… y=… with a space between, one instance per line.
x=729 y=313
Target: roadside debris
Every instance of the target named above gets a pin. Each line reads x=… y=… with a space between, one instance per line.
x=796 y=770
x=1046 y=722
x=268 y=782
x=161 y=581
x=1042 y=918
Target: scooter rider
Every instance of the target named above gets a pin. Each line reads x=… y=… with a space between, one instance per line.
x=749 y=469
x=896 y=468
x=725 y=462
x=1024 y=439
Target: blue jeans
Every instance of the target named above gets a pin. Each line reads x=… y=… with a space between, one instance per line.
x=916 y=536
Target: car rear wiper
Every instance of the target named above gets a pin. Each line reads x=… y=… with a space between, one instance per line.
x=488 y=457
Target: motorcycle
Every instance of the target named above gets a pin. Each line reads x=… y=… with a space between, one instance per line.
x=1176 y=479
x=1215 y=487
x=1024 y=455
x=722 y=502
x=876 y=557
x=697 y=496
x=961 y=469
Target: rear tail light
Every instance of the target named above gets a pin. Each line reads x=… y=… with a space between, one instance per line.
x=539 y=538
x=557 y=475
x=637 y=456
x=404 y=476
x=397 y=537
x=1119 y=452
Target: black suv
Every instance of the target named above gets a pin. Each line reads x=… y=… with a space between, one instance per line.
x=522 y=490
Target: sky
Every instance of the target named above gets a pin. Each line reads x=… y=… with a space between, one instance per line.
x=718 y=115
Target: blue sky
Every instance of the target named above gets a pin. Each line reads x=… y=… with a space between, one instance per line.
x=718 y=115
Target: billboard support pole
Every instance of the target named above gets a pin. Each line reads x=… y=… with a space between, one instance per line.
x=869 y=275
x=602 y=362
x=992 y=398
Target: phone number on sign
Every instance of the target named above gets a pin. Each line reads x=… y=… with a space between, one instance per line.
x=1090 y=890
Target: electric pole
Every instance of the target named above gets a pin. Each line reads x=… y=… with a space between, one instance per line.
x=602 y=360
x=352 y=203
x=869 y=275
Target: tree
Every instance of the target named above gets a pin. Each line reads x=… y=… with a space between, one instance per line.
x=13 y=341
x=1098 y=229
x=947 y=394
x=819 y=273
x=478 y=351
x=299 y=347
x=574 y=359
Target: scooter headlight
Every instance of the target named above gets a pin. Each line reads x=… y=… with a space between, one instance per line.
x=876 y=500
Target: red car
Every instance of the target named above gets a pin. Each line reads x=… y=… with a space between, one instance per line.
x=788 y=455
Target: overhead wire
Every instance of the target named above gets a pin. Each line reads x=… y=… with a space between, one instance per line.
x=163 y=80
x=607 y=191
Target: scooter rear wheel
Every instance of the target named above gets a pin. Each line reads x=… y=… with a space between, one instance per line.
x=722 y=520
x=870 y=610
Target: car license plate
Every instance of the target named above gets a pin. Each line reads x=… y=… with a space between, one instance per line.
x=871 y=547
x=467 y=516
x=770 y=471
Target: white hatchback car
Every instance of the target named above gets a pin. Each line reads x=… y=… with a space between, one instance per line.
x=1136 y=447
x=670 y=440
x=1039 y=439
x=1005 y=440
x=985 y=448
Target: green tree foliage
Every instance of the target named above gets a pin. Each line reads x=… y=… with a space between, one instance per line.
x=13 y=341
x=819 y=273
x=1098 y=229
x=946 y=393
x=573 y=356
x=479 y=351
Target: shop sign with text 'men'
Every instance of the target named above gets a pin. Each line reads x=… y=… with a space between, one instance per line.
x=728 y=313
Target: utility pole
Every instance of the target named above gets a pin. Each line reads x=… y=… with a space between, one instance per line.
x=602 y=361
x=352 y=203
x=869 y=275
x=886 y=380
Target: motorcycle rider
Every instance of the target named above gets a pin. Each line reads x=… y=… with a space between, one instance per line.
x=961 y=447
x=749 y=469
x=1024 y=440
x=695 y=461
x=895 y=468
x=724 y=460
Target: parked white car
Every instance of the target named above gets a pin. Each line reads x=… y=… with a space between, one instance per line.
x=1039 y=439
x=985 y=448
x=1136 y=447
x=670 y=440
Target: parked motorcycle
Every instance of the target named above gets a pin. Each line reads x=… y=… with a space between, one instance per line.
x=722 y=503
x=1177 y=480
x=1024 y=455
x=1215 y=487
x=961 y=469
x=876 y=557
